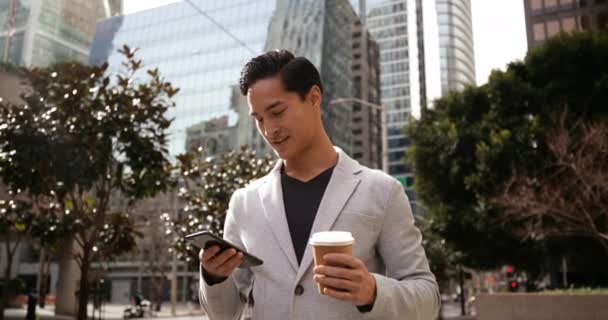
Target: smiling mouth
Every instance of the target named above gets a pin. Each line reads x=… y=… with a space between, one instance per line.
x=276 y=143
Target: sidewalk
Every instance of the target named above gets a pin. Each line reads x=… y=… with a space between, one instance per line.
x=451 y=311
x=113 y=312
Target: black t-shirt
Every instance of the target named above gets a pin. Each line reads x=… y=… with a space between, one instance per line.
x=301 y=200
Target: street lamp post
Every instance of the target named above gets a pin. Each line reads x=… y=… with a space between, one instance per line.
x=383 y=122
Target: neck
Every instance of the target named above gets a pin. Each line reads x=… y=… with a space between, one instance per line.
x=318 y=157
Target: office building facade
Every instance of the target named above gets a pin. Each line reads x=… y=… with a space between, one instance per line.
x=395 y=25
x=201 y=47
x=457 y=55
x=44 y=32
x=367 y=122
x=545 y=18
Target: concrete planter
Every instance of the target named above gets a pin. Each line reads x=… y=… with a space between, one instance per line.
x=539 y=306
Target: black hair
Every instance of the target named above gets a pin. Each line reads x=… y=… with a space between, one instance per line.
x=297 y=73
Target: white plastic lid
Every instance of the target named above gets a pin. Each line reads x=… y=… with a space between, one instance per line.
x=332 y=238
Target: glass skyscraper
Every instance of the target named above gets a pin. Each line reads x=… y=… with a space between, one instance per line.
x=456 y=44
x=201 y=47
x=426 y=49
x=45 y=32
x=396 y=26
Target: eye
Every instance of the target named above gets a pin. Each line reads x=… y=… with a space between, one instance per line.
x=278 y=113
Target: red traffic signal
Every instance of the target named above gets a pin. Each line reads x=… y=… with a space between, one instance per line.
x=509 y=269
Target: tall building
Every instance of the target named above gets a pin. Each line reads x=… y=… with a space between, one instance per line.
x=545 y=18
x=366 y=122
x=201 y=46
x=455 y=44
x=45 y=32
x=395 y=25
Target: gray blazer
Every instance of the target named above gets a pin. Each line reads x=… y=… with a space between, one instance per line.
x=368 y=203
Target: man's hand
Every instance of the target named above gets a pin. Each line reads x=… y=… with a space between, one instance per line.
x=220 y=265
x=347 y=278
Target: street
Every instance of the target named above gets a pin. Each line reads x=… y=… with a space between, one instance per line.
x=115 y=311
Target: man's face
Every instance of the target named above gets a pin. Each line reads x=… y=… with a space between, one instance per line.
x=288 y=123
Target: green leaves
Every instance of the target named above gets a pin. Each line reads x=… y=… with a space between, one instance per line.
x=206 y=186
x=83 y=138
x=15 y=216
x=465 y=148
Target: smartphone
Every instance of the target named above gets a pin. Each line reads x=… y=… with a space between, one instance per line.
x=206 y=239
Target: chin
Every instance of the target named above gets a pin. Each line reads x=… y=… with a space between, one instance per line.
x=286 y=153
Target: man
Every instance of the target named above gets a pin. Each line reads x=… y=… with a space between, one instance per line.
x=314 y=187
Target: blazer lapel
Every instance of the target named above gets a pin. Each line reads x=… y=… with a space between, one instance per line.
x=271 y=194
x=341 y=186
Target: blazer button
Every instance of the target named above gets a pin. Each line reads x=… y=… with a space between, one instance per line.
x=299 y=290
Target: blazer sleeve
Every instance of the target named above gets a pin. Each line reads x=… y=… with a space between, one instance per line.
x=408 y=290
x=226 y=300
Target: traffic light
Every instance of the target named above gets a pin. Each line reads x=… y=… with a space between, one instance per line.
x=510 y=278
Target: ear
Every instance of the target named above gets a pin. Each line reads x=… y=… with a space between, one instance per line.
x=315 y=96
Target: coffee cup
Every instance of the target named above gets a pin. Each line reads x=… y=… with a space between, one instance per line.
x=330 y=242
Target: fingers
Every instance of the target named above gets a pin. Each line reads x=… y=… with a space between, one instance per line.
x=220 y=263
x=219 y=259
x=227 y=267
x=346 y=278
x=337 y=283
x=340 y=259
x=344 y=296
x=206 y=254
x=338 y=272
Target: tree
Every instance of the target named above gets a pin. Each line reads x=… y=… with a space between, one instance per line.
x=463 y=150
x=82 y=138
x=445 y=143
x=15 y=223
x=156 y=256
x=442 y=258
x=569 y=198
x=207 y=185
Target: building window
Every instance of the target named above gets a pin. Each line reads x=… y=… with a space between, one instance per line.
x=539 y=32
x=568 y=24
x=536 y=4
x=398 y=168
x=552 y=27
x=550 y=4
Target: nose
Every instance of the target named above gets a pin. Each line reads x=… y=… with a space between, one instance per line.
x=272 y=131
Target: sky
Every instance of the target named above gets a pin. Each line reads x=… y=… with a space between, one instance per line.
x=499 y=31
x=499 y=34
